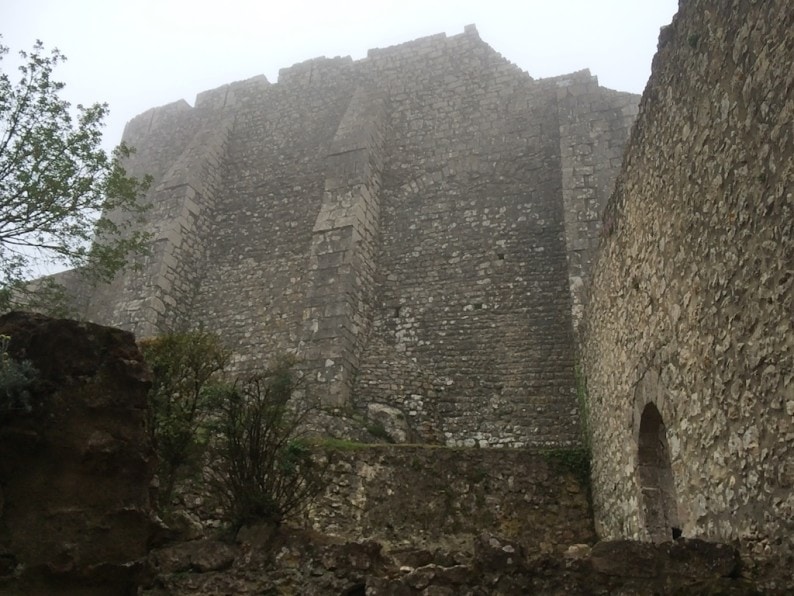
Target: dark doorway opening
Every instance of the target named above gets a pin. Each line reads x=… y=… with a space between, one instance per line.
x=656 y=478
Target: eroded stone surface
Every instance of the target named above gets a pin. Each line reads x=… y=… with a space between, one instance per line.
x=428 y=498
x=75 y=470
x=296 y=562
x=417 y=500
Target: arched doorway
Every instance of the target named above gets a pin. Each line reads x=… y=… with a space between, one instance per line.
x=656 y=478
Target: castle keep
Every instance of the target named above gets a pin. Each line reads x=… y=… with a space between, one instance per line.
x=444 y=240
x=417 y=226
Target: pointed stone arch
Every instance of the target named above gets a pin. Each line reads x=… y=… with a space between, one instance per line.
x=655 y=477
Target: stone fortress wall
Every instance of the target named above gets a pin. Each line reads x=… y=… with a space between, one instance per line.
x=417 y=226
x=689 y=333
x=440 y=238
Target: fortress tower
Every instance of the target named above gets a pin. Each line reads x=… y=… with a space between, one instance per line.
x=417 y=226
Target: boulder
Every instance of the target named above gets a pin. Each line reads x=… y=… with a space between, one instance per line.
x=496 y=554
x=75 y=463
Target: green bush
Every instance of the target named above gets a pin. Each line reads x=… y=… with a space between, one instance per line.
x=575 y=460
x=263 y=469
x=16 y=381
x=185 y=369
x=377 y=430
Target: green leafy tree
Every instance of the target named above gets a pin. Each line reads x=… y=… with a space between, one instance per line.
x=57 y=185
x=185 y=369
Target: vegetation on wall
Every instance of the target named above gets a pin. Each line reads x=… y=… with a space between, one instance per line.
x=56 y=182
x=16 y=380
x=583 y=405
x=186 y=368
x=576 y=460
x=243 y=434
x=263 y=469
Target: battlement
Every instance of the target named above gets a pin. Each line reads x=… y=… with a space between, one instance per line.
x=223 y=96
x=425 y=52
x=427 y=44
x=316 y=71
x=153 y=117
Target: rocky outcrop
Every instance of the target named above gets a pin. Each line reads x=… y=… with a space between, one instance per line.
x=429 y=497
x=437 y=497
x=75 y=462
x=289 y=561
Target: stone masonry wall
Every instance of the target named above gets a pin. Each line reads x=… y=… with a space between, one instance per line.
x=471 y=340
x=594 y=128
x=259 y=275
x=409 y=224
x=472 y=254
x=692 y=297
x=183 y=151
x=426 y=497
x=344 y=248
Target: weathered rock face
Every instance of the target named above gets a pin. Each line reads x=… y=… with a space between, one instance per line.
x=425 y=497
x=297 y=562
x=75 y=471
x=430 y=498
x=689 y=343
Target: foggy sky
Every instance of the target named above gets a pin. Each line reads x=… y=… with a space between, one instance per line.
x=136 y=55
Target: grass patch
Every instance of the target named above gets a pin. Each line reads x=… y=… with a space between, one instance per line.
x=342 y=444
